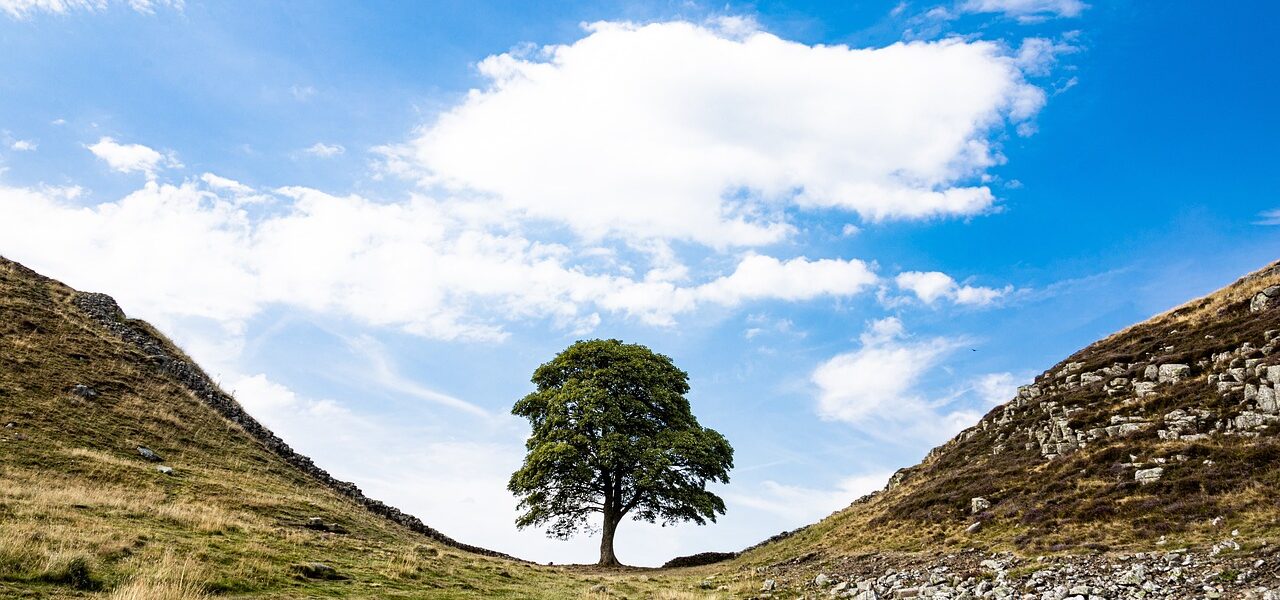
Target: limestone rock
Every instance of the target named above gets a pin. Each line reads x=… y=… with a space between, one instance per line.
x=1144 y=388
x=1151 y=475
x=148 y=454
x=979 y=504
x=1264 y=299
x=1173 y=373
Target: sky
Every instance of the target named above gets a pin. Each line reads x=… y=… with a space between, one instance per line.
x=858 y=226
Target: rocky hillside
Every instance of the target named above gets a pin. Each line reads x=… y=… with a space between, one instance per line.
x=126 y=473
x=1147 y=464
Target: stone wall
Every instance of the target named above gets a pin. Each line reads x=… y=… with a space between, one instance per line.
x=104 y=310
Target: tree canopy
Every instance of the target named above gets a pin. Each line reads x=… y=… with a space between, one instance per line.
x=614 y=434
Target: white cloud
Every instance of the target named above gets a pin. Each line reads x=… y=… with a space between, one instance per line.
x=995 y=388
x=698 y=132
x=932 y=286
x=23 y=146
x=302 y=93
x=324 y=150
x=800 y=504
x=1037 y=56
x=1268 y=217
x=223 y=183
x=1026 y=10
x=130 y=158
x=23 y=9
x=193 y=250
x=875 y=386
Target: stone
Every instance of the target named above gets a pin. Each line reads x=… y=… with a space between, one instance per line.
x=1273 y=374
x=165 y=470
x=1264 y=299
x=1267 y=399
x=1144 y=388
x=1173 y=373
x=84 y=391
x=1145 y=476
x=599 y=588
x=979 y=504
x=1248 y=420
x=974 y=527
x=769 y=585
x=1151 y=373
x=148 y=454
x=821 y=580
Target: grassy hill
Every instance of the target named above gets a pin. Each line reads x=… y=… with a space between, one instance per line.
x=1163 y=436
x=83 y=513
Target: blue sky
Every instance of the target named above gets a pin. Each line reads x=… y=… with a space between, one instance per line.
x=857 y=225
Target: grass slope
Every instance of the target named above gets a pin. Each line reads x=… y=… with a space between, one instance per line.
x=83 y=514
x=1087 y=500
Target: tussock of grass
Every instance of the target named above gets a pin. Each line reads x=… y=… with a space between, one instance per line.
x=170 y=578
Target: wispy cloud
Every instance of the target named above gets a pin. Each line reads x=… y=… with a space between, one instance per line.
x=1268 y=217
x=132 y=158
x=1026 y=11
x=25 y=9
x=324 y=150
x=876 y=386
x=384 y=373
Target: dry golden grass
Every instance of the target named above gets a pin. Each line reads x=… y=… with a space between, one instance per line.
x=170 y=578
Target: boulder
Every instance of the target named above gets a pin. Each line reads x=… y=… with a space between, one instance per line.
x=1151 y=372
x=1273 y=374
x=1173 y=373
x=148 y=454
x=979 y=504
x=1265 y=299
x=1151 y=475
x=769 y=585
x=1144 y=388
x=165 y=470
x=84 y=391
x=1267 y=399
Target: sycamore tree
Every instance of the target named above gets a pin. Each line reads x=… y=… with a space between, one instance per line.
x=613 y=435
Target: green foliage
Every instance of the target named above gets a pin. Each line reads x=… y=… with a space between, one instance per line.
x=614 y=434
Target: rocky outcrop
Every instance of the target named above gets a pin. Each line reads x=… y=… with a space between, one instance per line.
x=1265 y=299
x=104 y=310
x=1178 y=573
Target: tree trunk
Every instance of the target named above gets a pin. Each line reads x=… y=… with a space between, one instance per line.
x=607 y=557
